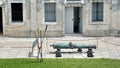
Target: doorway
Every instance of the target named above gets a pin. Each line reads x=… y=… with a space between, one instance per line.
x=73 y=20
x=76 y=19
x=1 y=21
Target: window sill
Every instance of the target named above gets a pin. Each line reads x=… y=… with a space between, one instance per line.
x=74 y=2
x=97 y=23
x=17 y=23
x=50 y=23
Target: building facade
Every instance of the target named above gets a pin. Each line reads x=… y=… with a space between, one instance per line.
x=21 y=18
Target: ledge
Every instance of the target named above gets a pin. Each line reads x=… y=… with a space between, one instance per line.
x=71 y=2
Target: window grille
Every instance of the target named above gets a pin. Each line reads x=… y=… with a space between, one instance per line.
x=50 y=12
x=97 y=11
x=17 y=12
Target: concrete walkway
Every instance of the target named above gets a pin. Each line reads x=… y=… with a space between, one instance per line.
x=107 y=47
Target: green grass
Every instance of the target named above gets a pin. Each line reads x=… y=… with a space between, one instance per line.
x=60 y=63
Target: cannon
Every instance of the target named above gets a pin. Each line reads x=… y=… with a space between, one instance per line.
x=70 y=45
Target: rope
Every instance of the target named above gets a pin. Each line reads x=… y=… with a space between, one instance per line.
x=73 y=40
x=113 y=43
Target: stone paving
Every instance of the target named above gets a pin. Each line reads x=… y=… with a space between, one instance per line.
x=108 y=47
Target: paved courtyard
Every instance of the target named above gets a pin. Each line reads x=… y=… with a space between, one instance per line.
x=107 y=47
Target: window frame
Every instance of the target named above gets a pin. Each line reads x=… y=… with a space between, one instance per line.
x=15 y=12
x=10 y=15
x=98 y=12
x=49 y=23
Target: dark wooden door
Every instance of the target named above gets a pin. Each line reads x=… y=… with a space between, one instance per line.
x=1 y=20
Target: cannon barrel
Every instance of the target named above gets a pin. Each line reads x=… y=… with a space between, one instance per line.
x=84 y=46
x=72 y=46
x=60 y=45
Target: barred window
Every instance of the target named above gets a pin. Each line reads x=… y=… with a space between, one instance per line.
x=97 y=11
x=17 y=12
x=50 y=12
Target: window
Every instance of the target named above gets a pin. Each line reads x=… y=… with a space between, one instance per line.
x=50 y=12
x=17 y=12
x=97 y=11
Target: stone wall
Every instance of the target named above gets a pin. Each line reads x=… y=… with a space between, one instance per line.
x=110 y=24
x=33 y=14
x=33 y=11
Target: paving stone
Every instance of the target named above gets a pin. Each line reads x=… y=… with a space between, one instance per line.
x=1 y=46
x=119 y=53
x=118 y=48
x=114 y=54
x=67 y=55
x=103 y=50
x=13 y=54
x=20 y=48
x=22 y=54
x=84 y=55
x=4 y=53
x=6 y=47
x=104 y=54
x=78 y=55
x=50 y=56
x=96 y=54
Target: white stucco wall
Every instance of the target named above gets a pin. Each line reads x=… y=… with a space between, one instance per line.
x=33 y=18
